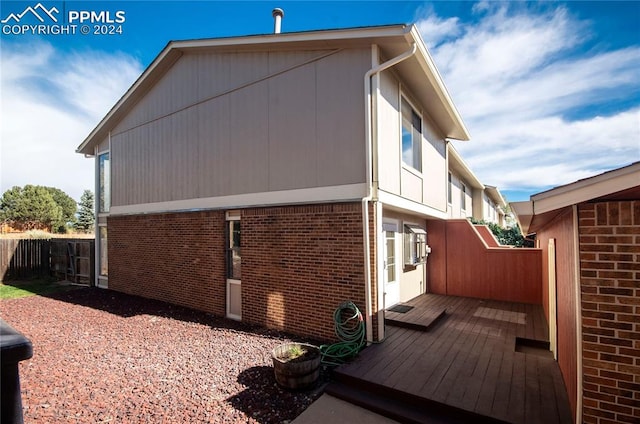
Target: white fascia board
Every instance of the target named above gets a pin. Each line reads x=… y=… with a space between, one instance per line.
x=297 y=37
x=434 y=76
x=587 y=189
x=400 y=203
x=159 y=66
x=523 y=212
x=495 y=195
x=332 y=194
x=466 y=172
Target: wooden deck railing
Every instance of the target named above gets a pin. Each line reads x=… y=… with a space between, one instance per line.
x=462 y=263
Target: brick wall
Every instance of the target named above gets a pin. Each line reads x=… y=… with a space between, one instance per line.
x=610 y=285
x=299 y=263
x=174 y=257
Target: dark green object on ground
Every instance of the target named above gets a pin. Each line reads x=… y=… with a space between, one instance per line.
x=349 y=327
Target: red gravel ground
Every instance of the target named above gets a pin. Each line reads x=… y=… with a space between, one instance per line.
x=101 y=356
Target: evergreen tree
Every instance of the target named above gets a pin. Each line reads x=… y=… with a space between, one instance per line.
x=86 y=217
x=31 y=207
x=68 y=207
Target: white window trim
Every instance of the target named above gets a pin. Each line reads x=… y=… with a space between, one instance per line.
x=402 y=95
x=415 y=229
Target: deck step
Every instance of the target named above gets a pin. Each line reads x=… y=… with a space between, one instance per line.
x=402 y=407
x=423 y=321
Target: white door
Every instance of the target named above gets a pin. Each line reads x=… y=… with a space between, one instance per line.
x=391 y=268
x=234 y=266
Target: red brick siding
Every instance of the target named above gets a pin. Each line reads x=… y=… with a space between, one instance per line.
x=610 y=285
x=174 y=257
x=299 y=263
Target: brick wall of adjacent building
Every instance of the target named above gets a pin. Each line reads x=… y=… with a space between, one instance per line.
x=299 y=263
x=174 y=257
x=610 y=285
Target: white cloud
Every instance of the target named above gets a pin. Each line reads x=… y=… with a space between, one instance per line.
x=518 y=76
x=50 y=101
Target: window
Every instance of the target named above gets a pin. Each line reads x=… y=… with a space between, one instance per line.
x=104 y=195
x=390 y=238
x=234 y=258
x=415 y=245
x=104 y=258
x=449 y=190
x=463 y=196
x=411 y=137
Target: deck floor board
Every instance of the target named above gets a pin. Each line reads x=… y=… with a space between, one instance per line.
x=467 y=361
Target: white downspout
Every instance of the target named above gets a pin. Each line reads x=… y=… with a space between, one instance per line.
x=369 y=183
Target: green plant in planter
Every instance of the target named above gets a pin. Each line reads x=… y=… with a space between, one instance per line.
x=294 y=352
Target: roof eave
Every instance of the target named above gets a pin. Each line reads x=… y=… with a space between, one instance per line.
x=462 y=168
x=458 y=129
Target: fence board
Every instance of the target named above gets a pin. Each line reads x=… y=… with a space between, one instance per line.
x=67 y=259
x=23 y=258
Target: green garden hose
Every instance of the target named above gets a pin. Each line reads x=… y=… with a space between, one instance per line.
x=349 y=328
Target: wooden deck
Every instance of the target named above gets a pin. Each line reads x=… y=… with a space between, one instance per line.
x=463 y=366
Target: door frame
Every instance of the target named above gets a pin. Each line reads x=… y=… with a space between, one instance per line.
x=231 y=216
x=389 y=224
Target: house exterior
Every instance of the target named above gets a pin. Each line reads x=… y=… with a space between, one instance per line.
x=589 y=232
x=467 y=197
x=270 y=178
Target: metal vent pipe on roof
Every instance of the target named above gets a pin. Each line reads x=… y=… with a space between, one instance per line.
x=277 y=19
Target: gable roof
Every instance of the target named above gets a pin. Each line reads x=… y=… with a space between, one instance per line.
x=419 y=72
x=618 y=184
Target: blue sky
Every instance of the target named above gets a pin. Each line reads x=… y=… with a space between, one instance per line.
x=550 y=91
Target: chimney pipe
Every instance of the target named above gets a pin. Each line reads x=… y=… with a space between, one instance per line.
x=277 y=19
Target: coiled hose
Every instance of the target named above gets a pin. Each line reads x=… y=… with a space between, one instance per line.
x=349 y=328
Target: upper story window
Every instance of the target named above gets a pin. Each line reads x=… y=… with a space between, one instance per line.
x=411 y=137
x=463 y=196
x=449 y=190
x=104 y=181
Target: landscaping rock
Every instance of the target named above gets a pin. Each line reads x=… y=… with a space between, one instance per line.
x=101 y=356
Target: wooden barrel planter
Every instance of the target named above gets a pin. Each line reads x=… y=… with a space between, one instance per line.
x=296 y=365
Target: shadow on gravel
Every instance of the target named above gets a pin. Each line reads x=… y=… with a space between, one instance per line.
x=266 y=402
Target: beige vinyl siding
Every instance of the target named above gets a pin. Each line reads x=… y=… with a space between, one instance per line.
x=428 y=187
x=103 y=146
x=389 y=134
x=434 y=166
x=237 y=123
x=456 y=210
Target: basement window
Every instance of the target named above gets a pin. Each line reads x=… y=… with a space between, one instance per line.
x=415 y=245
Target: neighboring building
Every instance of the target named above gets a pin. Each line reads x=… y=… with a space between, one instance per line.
x=589 y=231
x=269 y=178
x=467 y=197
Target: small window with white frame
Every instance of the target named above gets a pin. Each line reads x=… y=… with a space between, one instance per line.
x=411 y=136
x=415 y=245
x=104 y=182
x=463 y=196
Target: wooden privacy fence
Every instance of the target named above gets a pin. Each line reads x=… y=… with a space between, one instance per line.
x=73 y=259
x=467 y=261
x=23 y=258
x=66 y=259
